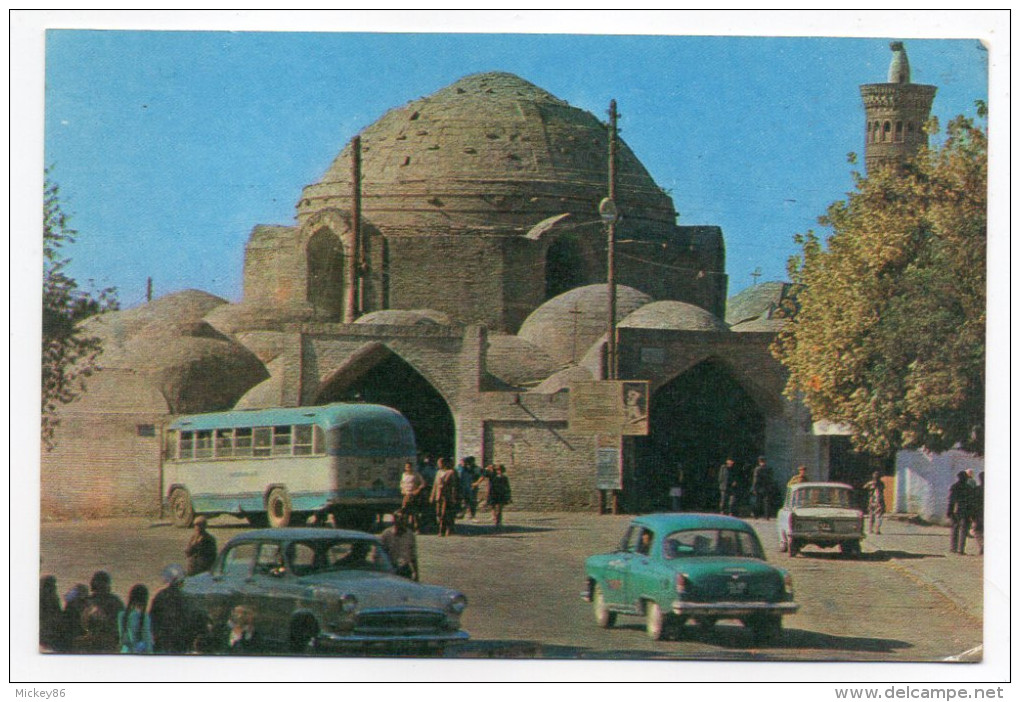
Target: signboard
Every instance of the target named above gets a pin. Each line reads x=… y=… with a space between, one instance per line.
x=608 y=471
x=617 y=407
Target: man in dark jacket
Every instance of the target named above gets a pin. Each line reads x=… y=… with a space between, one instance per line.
x=726 y=476
x=201 y=550
x=101 y=610
x=761 y=489
x=960 y=512
x=173 y=628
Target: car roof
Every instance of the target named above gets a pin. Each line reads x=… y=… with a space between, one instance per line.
x=301 y=534
x=801 y=486
x=676 y=521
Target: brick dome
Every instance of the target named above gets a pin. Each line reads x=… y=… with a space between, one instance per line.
x=671 y=314
x=489 y=151
x=566 y=326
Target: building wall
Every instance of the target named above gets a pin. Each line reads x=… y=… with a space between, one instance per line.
x=923 y=480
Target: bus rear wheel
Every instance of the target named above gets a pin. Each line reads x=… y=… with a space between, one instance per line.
x=278 y=507
x=182 y=512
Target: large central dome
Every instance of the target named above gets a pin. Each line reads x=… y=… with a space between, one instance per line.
x=491 y=151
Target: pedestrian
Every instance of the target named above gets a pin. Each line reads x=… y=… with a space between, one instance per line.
x=200 y=553
x=761 y=489
x=725 y=479
x=51 y=616
x=499 y=495
x=171 y=622
x=979 y=513
x=134 y=625
x=444 y=496
x=876 y=502
x=800 y=477
x=75 y=601
x=102 y=610
x=401 y=546
x=676 y=492
x=961 y=502
x=411 y=486
x=243 y=639
x=467 y=474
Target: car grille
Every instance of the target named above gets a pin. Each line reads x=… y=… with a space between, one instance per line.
x=399 y=622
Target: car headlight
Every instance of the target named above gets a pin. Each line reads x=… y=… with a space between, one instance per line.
x=348 y=603
x=457 y=603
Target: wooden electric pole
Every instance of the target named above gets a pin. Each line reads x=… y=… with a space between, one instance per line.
x=354 y=288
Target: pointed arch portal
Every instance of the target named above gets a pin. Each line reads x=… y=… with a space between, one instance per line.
x=697 y=420
x=390 y=380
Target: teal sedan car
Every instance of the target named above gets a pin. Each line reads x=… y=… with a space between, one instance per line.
x=670 y=568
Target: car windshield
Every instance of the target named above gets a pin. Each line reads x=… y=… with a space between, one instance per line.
x=693 y=543
x=822 y=497
x=331 y=555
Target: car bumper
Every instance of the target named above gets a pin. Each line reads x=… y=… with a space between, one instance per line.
x=328 y=639
x=732 y=609
x=825 y=536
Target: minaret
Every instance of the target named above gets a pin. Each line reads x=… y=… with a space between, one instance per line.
x=896 y=113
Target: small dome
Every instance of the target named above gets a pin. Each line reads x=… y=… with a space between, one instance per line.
x=517 y=362
x=245 y=317
x=755 y=301
x=267 y=345
x=567 y=325
x=405 y=318
x=671 y=314
x=268 y=393
x=173 y=310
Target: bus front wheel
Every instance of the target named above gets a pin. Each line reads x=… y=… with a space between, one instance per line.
x=181 y=510
x=278 y=507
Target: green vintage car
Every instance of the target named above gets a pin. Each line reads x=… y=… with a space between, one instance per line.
x=670 y=568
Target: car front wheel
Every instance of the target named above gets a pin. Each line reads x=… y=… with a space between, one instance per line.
x=793 y=547
x=655 y=621
x=603 y=616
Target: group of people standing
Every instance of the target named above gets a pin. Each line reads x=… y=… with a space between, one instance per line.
x=738 y=487
x=444 y=493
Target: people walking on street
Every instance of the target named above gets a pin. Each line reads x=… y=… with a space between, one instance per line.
x=411 y=486
x=171 y=620
x=499 y=495
x=401 y=546
x=725 y=477
x=876 y=502
x=761 y=489
x=444 y=497
x=961 y=500
x=134 y=625
x=676 y=492
x=200 y=553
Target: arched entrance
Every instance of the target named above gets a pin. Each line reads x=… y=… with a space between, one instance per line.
x=393 y=382
x=697 y=420
x=564 y=266
x=325 y=285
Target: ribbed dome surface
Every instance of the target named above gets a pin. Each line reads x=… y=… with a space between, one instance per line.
x=517 y=362
x=567 y=325
x=491 y=150
x=670 y=314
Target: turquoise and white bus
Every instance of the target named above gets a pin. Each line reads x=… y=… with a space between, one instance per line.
x=280 y=466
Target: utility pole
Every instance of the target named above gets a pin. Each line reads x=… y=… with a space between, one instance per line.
x=355 y=289
x=609 y=215
x=148 y=289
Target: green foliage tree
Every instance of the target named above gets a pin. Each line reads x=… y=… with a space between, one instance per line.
x=889 y=337
x=68 y=355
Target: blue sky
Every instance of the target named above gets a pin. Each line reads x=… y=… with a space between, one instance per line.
x=170 y=146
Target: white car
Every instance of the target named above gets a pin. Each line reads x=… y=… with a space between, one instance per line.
x=821 y=514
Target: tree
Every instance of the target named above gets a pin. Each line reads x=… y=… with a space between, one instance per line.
x=68 y=355
x=889 y=337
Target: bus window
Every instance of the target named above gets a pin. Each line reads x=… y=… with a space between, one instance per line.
x=379 y=435
x=203 y=444
x=318 y=440
x=242 y=442
x=281 y=441
x=170 y=445
x=344 y=438
x=224 y=442
x=303 y=440
x=187 y=444
x=263 y=441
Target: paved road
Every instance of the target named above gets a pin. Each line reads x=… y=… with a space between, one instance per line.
x=907 y=599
